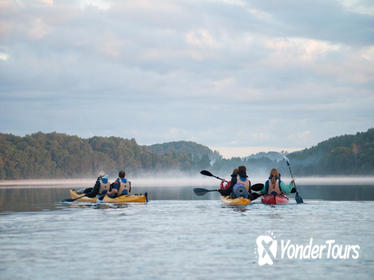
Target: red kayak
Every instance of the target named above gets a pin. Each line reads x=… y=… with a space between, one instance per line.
x=275 y=199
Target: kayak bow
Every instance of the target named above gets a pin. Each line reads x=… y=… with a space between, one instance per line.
x=235 y=201
x=274 y=199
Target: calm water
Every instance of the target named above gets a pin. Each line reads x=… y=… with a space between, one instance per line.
x=180 y=236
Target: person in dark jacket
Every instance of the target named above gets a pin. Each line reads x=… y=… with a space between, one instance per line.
x=101 y=186
x=239 y=184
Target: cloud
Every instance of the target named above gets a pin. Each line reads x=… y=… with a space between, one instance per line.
x=299 y=50
x=4 y=56
x=38 y=29
x=98 y=4
x=260 y=14
x=218 y=72
x=301 y=136
x=321 y=20
x=368 y=53
x=200 y=38
x=239 y=3
x=48 y=2
x=358 y=6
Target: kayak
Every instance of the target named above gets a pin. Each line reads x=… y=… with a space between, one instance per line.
x=119 y=199
x=235 y=201
x=127 y=198
x=274 y=199
x=74 y=195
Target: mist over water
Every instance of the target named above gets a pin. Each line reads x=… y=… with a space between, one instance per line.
x=36 y=195
x=181 y=181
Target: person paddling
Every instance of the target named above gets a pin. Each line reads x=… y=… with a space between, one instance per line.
x=239 y=186
x=121 y=186
x=101 y=187
x=275 y=186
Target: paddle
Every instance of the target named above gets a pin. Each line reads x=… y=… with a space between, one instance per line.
x=255 y=195
x=207 y=173
x=201 y=191
x=298 y=198
x=255 y=187
x=99 y=197
x=73 y=199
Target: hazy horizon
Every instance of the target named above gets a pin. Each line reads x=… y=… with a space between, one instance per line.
x=195 y=181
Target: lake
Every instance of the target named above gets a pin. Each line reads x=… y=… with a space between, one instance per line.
x=178 y=235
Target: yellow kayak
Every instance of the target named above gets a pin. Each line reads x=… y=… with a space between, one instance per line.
x=126 y=198
x=119 y=199
x=74 y=195
x=235 y=201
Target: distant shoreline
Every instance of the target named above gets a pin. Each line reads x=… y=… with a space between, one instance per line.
x=178 y=182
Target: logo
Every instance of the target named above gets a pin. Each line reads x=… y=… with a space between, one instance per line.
x=267 y=249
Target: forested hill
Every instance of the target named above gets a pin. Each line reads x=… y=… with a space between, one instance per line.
x=341 y=155
x=55 y=155
x=347 y=154
x=194 y=150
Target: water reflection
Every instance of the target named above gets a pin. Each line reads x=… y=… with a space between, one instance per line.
x=30 y=199
x=95 y=205
x=337 y=192
x=237 y=208
x=38 y=199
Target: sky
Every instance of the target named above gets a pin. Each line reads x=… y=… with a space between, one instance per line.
x=237 y=76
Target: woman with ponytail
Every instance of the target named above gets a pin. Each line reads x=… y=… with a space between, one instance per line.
x=274 y=185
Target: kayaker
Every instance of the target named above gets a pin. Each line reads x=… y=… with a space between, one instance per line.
x=274 y=185
x=121 y=186
x=101 y=187
x=239 y=184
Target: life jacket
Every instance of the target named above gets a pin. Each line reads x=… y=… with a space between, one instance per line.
x=124 y=185
x=239 y=190
x=225 y=185
x=104 y=185
x=276 y=189
x=245 y=182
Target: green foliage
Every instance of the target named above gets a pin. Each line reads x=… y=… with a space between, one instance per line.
x=193 y=150
x=342 y=155
x=56 y=155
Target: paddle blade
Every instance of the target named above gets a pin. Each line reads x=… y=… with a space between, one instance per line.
x=72 y=199
x=298 y=198
x=68 y=200
x=200 y=191
x=206 y=173
x=255 y=196
x=257 y=187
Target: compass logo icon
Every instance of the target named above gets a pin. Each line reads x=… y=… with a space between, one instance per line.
x=267 y=249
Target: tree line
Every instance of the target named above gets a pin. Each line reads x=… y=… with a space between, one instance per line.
x=56 y=155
